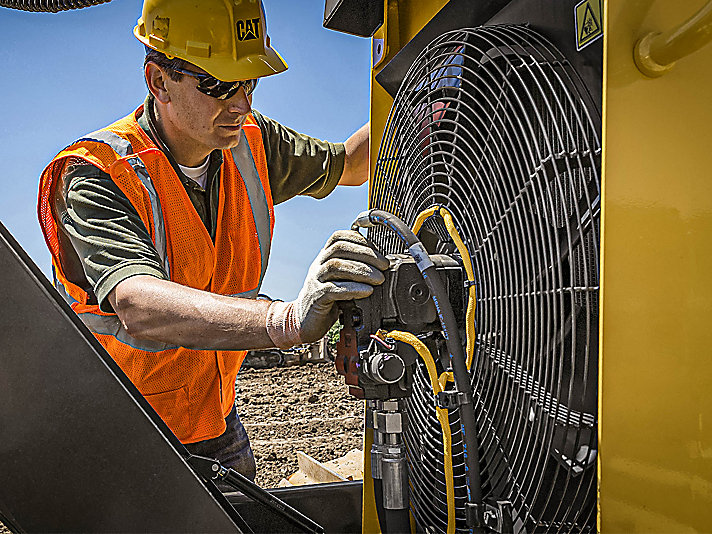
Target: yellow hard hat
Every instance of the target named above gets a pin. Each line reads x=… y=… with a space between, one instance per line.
x=226 y=38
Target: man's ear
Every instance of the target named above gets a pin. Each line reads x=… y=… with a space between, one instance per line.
x=156 y=81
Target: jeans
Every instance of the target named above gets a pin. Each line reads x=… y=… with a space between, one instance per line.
x=231 y=448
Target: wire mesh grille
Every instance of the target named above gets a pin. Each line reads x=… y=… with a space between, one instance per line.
x=491 y=123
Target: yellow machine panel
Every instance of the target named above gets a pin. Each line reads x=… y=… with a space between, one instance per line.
x=402 y=21
x=655 y=370
x=655 y=398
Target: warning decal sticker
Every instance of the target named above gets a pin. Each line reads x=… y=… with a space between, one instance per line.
x=589 y=22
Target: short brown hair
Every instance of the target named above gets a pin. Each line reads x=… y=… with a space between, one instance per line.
x=166 y=63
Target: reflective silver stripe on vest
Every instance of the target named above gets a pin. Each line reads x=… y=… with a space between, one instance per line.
x=110 y=325
x=159 y=227
x=117 y=143
x=251 y=294
x=258 y=202
x=123 y=148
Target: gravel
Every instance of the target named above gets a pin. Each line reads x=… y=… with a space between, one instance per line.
x=301 y=408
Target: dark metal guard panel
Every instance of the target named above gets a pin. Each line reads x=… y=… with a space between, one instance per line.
x=80 y=449
x=336 y=507
x=357 y=17
x=553 y=18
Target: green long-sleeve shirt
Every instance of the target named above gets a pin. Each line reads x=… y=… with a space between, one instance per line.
x=110 y=237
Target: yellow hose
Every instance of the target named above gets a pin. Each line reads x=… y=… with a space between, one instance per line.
x=465 y=255
x=442 y=414
x=445 y=377
x=439 y=383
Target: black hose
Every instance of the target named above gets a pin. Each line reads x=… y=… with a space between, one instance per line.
x=450 y=333
x=380 y=510
x=397 y=522
x=49 y=6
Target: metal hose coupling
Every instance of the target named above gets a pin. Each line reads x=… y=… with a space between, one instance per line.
x=448 y=323
x=388 y=459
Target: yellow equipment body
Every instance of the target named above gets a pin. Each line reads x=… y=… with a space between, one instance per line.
x=655 y=431
x=655 y=370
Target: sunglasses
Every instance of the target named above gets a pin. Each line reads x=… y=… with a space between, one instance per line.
x=211 y=86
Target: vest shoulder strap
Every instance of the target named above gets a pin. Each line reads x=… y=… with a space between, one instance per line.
x=118 y=144
x=242 y=156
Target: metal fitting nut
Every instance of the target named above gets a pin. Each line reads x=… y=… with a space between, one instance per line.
x=389 y=423
x=390 y=406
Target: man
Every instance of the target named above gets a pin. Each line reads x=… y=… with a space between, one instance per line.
x=160 y=224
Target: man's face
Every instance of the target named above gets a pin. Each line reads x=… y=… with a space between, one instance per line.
x=208 y=122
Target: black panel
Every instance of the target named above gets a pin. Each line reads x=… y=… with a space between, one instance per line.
x=80 y=449
x=357 y=17
x=456 y=14
x=555 y=20
x=552 y=18
x=336 y=507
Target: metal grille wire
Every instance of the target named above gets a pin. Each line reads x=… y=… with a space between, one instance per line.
x=493 y=123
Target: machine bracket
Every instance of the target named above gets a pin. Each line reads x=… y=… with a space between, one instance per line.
x=452 y=399
x=213 y=470
x=494 y=517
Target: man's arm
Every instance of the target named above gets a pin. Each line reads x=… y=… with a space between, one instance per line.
x=160 y=310
x=150 y=308
x=357 y=157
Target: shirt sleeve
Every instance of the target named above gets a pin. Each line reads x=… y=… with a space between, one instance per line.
x=106 y=232
x=298 y=164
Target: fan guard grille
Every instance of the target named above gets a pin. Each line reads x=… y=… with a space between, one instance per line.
x=493 y=124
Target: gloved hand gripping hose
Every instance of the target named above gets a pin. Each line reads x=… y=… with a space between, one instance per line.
x=450 y=333
x=347 y=268
x=50 y=6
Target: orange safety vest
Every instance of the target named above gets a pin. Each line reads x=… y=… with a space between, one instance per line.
x=192 y=390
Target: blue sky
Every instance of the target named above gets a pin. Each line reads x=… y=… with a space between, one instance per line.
x=70 y=73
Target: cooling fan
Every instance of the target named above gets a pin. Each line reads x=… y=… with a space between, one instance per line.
x=494 y=124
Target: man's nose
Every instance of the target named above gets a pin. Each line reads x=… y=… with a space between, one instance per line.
x=240 y=103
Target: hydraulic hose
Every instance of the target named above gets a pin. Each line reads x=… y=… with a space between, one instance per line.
x=49 y=6
x=380 y=510
x=450 y=333
x=467 y=262
x=442 y=414
x=397 y=522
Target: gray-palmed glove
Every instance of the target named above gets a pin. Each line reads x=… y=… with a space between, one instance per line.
x=347 y=268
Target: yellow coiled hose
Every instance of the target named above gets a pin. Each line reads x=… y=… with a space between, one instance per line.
x=439 y=383
x=442 y=414
x=465 y=255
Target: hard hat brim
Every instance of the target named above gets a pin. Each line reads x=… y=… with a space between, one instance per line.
x=226 y=68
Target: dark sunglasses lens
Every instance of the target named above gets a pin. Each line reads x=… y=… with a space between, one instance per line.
x=213 y=87
x=224 y=90
x=250 y=85
x=232 y=88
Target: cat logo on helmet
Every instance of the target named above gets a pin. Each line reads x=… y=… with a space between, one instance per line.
x=248 y=29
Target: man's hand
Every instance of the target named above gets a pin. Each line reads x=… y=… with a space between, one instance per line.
x=347 y=268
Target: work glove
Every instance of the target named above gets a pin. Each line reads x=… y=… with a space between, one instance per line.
x=347 y=268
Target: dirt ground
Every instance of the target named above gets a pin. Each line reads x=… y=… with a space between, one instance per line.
x=298 y=408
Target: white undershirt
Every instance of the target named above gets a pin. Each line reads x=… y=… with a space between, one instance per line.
x=198 y=174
